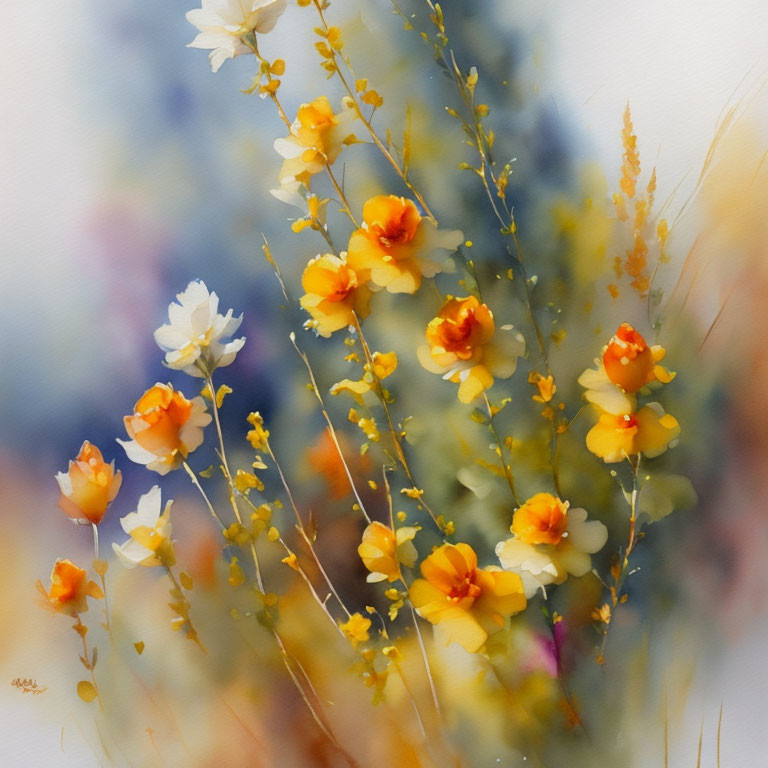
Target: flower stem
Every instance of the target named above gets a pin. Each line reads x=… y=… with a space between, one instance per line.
x=196 y=483
x=396 y=436
x=102 y=578
x=507 y=471
x=81 y=630
x=399 y=170
x=331 y=429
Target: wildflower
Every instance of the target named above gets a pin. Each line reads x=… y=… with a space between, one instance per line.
x=333 y=294
x=193 y=340
x=165 y=428
x=224 y=23
x=462 y=345
x=384 y=364
x=628 y=364
x=89 y=486
x=317 y=137
x=649 y=431
x=356 y=629
x=550 y=542
x=396 y=247
x=464 y=602
x=382 y=550
x=545 y=385
x=150 y=531
x=258 y=436
x=69 y=589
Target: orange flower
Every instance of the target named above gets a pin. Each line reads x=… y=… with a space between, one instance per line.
x=541 y=520
x=317 y=137
x=464 y=602
x=463 y=347
x=382 y=550
x=69 y=589
x=628 y=360
x=649 y=431
x=89 y=486
x=395 y=247
x=165 y=428
x=628 y=364
x=333 y=294
x=550 y=541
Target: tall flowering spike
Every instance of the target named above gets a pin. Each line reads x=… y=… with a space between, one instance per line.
x=333 y=294
x=150 y=533
x=88 y=486
x=550 y=542
x=193 y=341
x=224 y=23
x=396 y=247
x=462 y=346
x=317 y=137
x=464 y=602
x=164 y=428
x=627 y=365
x=382 y=550
x=649 y=431
x=69 y=589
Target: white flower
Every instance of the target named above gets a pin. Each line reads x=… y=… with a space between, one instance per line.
x=150 y=532
x=223 y=24
x=193 y=340
x=550 y=543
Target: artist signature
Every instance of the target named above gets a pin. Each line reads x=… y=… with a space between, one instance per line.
x=27 y=685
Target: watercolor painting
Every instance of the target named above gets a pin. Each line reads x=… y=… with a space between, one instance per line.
x=384 y=384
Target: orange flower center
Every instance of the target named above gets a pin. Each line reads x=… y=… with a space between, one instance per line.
x=628 y=360
x=543 y=519
x=462 y=326
x=466 y=588
x=344 y=283
x=391 y=220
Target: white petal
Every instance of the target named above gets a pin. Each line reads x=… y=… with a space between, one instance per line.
x=131 y=553
x=169 y=337
x=588 y=536
x=135 y=452
x=65 y=483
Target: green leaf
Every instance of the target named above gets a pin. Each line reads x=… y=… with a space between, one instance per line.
x=663 y=494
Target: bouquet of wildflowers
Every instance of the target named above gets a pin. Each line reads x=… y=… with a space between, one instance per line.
x=427 y=553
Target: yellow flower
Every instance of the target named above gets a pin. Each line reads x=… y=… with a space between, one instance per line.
x=382 y=550
x=355 y=389
x=69 y=589
x=627 y=365
x=165 y=428
x=89 y=486
x=463 y=347
x=384 y=364
x=150 y=531
x=356 y=629
x=465 y=603
x=395 y=247
x=649 y=431
x=333 y=294
x=550 y=542
x=258 y=436
x=317 y=137
x=545 y=385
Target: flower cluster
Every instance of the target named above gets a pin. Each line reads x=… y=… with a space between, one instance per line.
x=628 y=368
